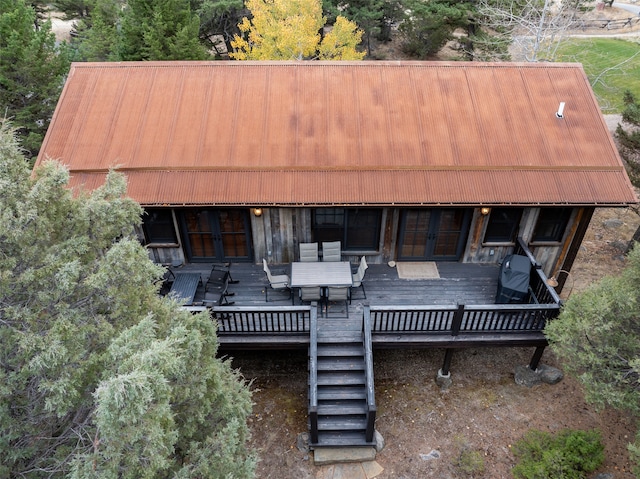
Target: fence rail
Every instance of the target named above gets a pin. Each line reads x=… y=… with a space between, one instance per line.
x=605 y=23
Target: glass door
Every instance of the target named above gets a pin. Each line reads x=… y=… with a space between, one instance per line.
x=433 y=234
x=216 y=235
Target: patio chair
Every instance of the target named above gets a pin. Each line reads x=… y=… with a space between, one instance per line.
x=336 y=295
x=358 y=277
x=308 y=252
x=310 y=294
x=331 y=251
x=279 y=282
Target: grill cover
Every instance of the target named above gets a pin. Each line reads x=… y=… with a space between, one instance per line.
x=513 y=282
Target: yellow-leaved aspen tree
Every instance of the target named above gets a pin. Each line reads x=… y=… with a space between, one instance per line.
x=290 y=30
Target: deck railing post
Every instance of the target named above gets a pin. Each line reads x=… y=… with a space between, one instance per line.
x=457 y=320
x=313 y=425
x=371 y=423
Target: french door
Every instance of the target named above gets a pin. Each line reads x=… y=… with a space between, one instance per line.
x=433 y=234
x=216 y=235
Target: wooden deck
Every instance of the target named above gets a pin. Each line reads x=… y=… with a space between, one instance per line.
x=459 y=283
x=456 y=310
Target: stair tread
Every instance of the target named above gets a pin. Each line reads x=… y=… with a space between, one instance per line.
x=341 y=380
x=342 y=394
x=340 y=350
x=341 y=364
x=329 y=439
x=341 y=410
x=338 y=424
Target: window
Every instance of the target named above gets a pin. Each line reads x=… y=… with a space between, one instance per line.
x=503 y=225
x=357 y=228
x=158 y=226
x=551 y=225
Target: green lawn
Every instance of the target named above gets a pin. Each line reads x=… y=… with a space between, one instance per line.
x=608 y=63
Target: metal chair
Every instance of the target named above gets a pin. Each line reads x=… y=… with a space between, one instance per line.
x=310 y=294
x=279 y=283
x=331 y=251
x=336 y=295
x=308 y=252
x=358 y=277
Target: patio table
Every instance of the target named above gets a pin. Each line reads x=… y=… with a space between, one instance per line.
x=184 y=287
x=321 y=273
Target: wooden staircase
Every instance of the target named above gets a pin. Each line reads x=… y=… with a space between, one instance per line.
x=341 y=401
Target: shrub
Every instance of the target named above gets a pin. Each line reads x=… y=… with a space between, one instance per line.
x=470 y=462
x=567 y=455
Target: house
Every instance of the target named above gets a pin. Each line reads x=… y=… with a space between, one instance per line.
x=457 y=163
x=402 y=161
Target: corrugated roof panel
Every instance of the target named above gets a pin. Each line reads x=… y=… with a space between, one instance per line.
x=296 y=133
x=466 y=135
x=404 y=128
x=343 y=116
x=437 y=144
x=311 y=133
x=221 y=117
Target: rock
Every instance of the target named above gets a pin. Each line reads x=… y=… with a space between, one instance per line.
x=302 y=442
x=526 y=377
x=612 y=223
x=434 y=454
x=620 y=245
x=604 y=475
x=379 y=440
x=549 y=374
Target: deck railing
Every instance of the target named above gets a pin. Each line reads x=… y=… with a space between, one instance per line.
x=541 y=292
x=313 y=375
x=369 y=385
x=459 y=319
x=262 y=319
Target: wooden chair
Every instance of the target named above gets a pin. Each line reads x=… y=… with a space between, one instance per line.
x=336 y=295
x=358 y=277
x=279 y=282
x=331 y=251
x=308 y=252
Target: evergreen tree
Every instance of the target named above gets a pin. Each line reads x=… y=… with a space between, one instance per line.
x=428 y=26
x=218 y=19
x=290 y=30
x=32 y=70
x=597 y=335
x=96 y=37
x=100 y=376
x=160 y=30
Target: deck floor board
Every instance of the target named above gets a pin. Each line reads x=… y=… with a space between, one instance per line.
x=461 y=283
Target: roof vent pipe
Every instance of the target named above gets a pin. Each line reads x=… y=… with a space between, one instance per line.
x=560 y=112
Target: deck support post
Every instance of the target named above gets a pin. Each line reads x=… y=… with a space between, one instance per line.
x=448 y=354
x=443 y=379
x=535 y=359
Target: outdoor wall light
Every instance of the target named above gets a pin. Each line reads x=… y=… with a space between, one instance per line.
x=257 y=212
x=485 y=211
x=553 y=281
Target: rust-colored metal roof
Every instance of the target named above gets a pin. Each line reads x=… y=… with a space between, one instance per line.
x=345 y=133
